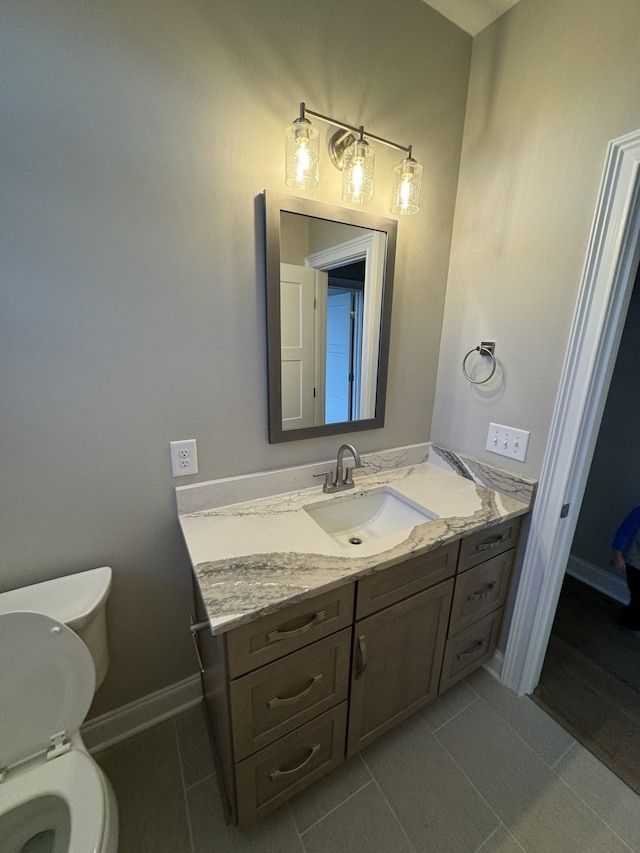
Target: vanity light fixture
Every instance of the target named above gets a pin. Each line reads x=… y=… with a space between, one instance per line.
x=302 y=149
x=357 y=171
x=353 y=154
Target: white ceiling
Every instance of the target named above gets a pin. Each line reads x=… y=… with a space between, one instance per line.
x=471 y=15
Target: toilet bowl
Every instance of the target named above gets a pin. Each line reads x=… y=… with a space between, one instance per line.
x=53 y=796
x=64 y=806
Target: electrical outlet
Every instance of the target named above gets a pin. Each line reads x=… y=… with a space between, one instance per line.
x=184 y=457
x=508 y=441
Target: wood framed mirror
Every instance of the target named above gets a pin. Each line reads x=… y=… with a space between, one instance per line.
x=329 y=274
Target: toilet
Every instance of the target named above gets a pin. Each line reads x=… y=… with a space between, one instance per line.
x=53 y=654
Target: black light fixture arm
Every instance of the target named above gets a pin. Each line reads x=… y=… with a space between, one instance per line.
x=304 y=110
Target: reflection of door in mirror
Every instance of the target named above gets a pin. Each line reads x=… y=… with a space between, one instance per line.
x=329 y=324
x=297 y=332
x=329 y=290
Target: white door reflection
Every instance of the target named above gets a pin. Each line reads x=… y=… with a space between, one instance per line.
x=329 y=375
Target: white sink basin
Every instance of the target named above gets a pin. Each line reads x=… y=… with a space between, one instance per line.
x=362 y=516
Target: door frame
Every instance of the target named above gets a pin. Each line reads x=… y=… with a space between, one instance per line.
x=605 y=291
x=370 y=248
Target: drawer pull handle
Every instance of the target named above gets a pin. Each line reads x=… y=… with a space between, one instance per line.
x=473 y=652
x=279 y=701
x=277 y=773
x=362 y=650
x=486 y=592
x=491 y=543
x=274 y=636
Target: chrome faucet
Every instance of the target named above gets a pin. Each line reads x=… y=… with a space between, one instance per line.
x=343 y=477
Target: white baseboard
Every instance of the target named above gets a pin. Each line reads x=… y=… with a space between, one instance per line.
x=121 y=723
x=494 y=666
x=609 y=584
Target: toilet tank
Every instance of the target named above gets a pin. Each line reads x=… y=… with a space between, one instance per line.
x=79 y=601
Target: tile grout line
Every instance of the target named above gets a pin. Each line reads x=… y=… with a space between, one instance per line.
x=335 y=808
x=184 y=789
x=398 y=821
x=564 y=754
x=473 y=785
x=457 y=713
x=521 y=737
x=546 y=764
x=552 y=768
x=204 y=778
x=511 y=836
x=293 y=820
x=593 y=811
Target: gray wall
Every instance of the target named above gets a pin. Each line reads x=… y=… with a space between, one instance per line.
x=136 y=137
x=551 y=83
x=613 y=487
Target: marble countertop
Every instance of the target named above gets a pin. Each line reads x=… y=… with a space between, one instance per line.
x=256 y=556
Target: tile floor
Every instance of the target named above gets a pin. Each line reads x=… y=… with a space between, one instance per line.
x=477 y=771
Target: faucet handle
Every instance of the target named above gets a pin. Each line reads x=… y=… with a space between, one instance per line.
x=329 y=484
x=348 y=475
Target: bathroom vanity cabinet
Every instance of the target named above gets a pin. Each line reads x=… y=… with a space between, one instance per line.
x=289 y=695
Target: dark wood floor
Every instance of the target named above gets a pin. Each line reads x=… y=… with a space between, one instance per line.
x=590 y=680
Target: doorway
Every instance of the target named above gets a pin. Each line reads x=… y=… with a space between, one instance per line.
x=343 y=367
x=590 y=680
x=605 y=291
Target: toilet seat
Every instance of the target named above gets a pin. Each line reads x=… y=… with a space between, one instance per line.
x=76 y=780
x=48 y=681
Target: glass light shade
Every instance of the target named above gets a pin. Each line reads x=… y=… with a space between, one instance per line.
x=407 y=184
x=302 y=153
x=357 y=172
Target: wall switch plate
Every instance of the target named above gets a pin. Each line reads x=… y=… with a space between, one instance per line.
x=184 y=457
x=508 y=441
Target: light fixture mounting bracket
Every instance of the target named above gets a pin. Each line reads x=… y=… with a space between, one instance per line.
x=338 y=144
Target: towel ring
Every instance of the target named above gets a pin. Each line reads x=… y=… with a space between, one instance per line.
x=486 y=348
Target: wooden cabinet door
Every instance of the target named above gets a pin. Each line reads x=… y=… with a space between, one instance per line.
x=396 y=663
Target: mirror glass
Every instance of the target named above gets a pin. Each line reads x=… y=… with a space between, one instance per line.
x=329 y=289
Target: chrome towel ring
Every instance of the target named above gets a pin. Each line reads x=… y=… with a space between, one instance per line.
x=486 y=348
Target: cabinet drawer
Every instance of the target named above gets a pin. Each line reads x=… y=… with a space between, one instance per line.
x=487 y=543
x=277 y=772
x=271 y=637
x=470 y=648
x=480 y=591
x=388 y=586
x=272 y=701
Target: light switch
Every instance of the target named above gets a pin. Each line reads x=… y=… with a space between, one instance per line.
x=508 y=441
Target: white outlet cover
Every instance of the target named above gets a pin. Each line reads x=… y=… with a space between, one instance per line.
x=184 y=457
